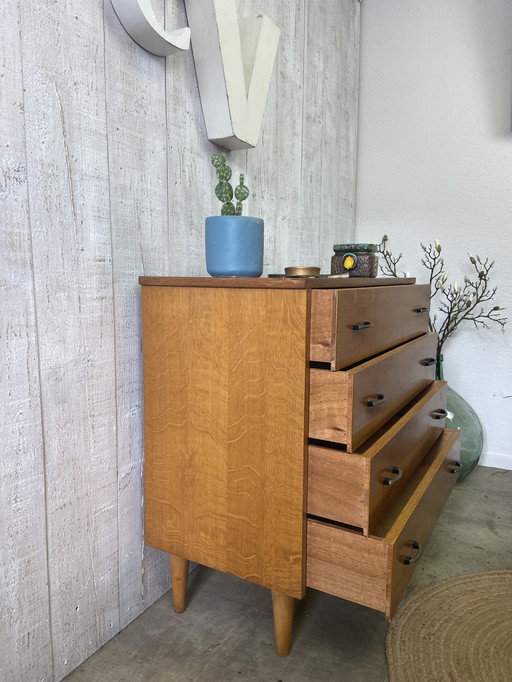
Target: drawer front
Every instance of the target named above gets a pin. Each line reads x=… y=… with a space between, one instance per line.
x=357 y=489
x=413 y=529
x=395 y=457
x=349 y=325
x=350 y=406
x=371 y=570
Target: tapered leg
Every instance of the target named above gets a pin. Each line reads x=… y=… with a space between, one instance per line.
x=282 y=606
x=179 y=575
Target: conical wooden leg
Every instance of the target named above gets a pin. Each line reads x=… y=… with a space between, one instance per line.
x=179 y=576
x=282 y=606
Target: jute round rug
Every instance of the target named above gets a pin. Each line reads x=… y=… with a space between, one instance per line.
x=459 y=630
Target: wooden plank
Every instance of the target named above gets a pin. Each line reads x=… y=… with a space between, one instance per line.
x=24 y=603
x=330 y=407
x=329 y=127
x=191 y=177
x=136 y=128
x=338 y=486
x=68 y=176
x=225 y=379
x=274 y=282
x=347 y=564
x=273 y=167
x=322 y=326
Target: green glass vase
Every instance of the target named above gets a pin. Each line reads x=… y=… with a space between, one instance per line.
x=461 y=416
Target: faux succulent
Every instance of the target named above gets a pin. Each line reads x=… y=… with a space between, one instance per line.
x=224 y=189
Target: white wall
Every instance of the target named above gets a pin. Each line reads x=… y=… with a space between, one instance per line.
x=435 y=161
x=105 y=175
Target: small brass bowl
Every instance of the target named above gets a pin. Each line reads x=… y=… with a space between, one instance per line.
x=302 y=271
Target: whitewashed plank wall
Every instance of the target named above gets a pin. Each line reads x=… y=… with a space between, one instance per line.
x=105 y=175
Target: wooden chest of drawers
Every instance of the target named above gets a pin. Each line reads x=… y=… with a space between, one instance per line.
x=294 y=434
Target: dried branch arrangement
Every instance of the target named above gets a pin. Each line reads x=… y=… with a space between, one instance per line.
x=456 y=303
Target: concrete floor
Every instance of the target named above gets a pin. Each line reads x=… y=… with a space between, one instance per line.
x=226 y=633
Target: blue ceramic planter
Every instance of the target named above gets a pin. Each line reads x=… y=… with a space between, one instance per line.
x=234 y=246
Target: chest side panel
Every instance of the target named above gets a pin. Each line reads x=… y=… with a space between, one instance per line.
x=225 y=385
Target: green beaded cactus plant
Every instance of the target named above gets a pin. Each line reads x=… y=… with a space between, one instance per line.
x=224 y=189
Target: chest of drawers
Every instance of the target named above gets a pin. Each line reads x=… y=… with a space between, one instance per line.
x=294 y=434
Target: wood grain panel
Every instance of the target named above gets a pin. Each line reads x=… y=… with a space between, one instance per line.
x=330 y=405
x=274 y=282
x=136 y=127
x=328 y=156
x=338 y=486
x=346 y=564
x=323 y=315
x=24 y=604
x=69 y=207
x=225 y=379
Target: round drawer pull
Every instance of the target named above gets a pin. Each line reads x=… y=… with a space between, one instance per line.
x=457 y=467
x=439 y=414
x=420 y=310
x=363 y=325
x=378 y=399
x=398 y=475
x=427 y=362
x=407 y=560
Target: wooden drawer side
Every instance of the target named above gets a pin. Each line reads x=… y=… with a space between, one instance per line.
x=330 y=408
x=322 y=326
x=337 y=486
x=346 y=564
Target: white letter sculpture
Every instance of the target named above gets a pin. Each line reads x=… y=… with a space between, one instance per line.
x=140 y=22
x=234 y=59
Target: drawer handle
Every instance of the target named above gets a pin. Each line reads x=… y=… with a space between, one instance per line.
x=377 y=400
x=440 y=414
x=398 y=475
x=457 y=467
x=420 y=310
x=363 y=325
x=407 y=560
x=427 y=362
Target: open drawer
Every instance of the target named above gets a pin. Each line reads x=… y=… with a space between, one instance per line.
x=349 y=325
x=350 y=405
x=358 y=489
x=374 y=571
